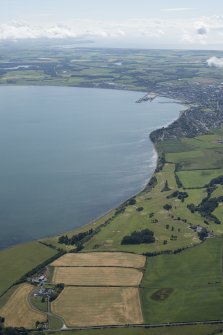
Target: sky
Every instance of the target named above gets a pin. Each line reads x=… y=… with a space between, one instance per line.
x=183 y=24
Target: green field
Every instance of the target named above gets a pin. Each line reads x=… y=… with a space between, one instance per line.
x=18 y=260
x=184 y=287
x=198 y=178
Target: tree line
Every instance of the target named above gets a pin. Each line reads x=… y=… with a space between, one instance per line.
x=139 y=237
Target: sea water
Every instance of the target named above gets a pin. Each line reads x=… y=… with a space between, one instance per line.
x=68 y=155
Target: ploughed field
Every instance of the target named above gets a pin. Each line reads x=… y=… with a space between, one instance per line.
x=96 y=294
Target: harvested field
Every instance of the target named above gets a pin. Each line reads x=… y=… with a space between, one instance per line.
x=24 y=316
x=101 y=259
x=85 y=306
x=102 y=276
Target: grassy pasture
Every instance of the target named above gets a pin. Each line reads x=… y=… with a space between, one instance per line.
x=18 y=260
x=197 y=159
x=219 y=213
x=217 y=192
x=18 y=312
x=97 y=276
x=208 y=141
x=171 y=146
x=198 y=178
x=101 y=259
x=184 y=158
x=193 y=281
x=98 y=306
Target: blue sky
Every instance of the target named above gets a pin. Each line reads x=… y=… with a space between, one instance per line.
x=142 y=23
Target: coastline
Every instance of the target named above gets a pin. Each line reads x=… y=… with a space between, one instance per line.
x=153 y=161
x=154 y=165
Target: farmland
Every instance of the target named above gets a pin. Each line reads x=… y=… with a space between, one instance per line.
x=101 y=259
x=105 y=295
x=19 y=260
x=24 y=316
x=140 y=70
x=190 y=281
x=98 y=306
x=93 y=276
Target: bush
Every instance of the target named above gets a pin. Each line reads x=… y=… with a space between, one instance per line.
x=131 y=201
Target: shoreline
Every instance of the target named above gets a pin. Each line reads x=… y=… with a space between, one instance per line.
x=152 y=164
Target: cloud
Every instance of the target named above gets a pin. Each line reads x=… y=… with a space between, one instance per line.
x=161 y=32
x=202 y=30
x=180 y=9
x=206 y=24
x=215 y=62
x=83 y=29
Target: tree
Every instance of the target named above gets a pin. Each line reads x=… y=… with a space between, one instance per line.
x=167 y=207
x=138 y=237
x=139 y=209
x=202 y=234
x=166 y=187
x=131 y=201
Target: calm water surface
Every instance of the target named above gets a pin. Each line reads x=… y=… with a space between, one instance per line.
x=70 y=154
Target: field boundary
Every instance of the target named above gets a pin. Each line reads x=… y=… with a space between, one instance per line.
x=97 y=266
x=144 y=325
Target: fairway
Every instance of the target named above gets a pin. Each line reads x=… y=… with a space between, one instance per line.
x=94 y=276
x=98 y=306
x=19 y=260
x=24 y=316
x=101 y=259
